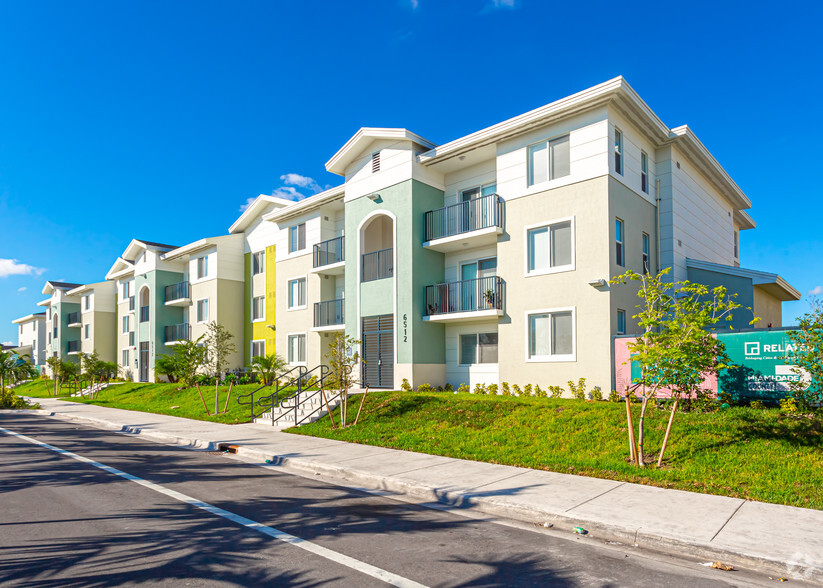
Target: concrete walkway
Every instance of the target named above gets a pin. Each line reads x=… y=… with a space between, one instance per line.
x=783 y=540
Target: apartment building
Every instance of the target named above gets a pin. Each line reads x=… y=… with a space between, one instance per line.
x=487 y=259
x=260 y=276
x=63 y=322
x=31 y=338
x=98 y=318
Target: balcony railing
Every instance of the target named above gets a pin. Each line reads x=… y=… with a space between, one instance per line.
x=178 y=291
x=73 y=318
x=465 y=296
x=131 y=302
x=328 y=252
x=181 y=332
x=73 y=346
x=144 y=314
x=471 y=215
x=328 y=313
x=131 y=338
x=377 y=265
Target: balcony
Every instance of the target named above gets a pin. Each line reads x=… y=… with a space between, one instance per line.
x=329 y=257
x=131 y=338
x=73 y=347
x=377 y=265
x=174 y=334
x=465 y=300
x=131 y=303
x=144 y=314
x=73 y=319
x=328 y=315
x=178 y=294
x=476 y=223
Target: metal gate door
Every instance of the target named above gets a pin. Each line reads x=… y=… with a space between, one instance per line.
x=378 y=351
x=144 y=362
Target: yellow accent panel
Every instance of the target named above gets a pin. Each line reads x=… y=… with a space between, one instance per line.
x=260 y=330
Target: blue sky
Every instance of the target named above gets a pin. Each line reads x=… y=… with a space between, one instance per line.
x=117 y=117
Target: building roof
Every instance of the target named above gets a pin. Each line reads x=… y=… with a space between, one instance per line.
x=87 y=288
x=255 y=209
x=30 y=317
x=198 y=245
x=771 y=283
x=156 y=245
x=307 y=204
x=361 y=140
x=51 y=286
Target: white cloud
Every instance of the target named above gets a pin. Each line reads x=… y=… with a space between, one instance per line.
x=22 y=289
x=301 y=182
x=6 y=343
x=816 y=291
x=289 y=192
x=11 y=267
x=504 y=4
x=247 y=204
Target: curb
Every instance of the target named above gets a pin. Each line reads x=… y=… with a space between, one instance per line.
x=464 y=501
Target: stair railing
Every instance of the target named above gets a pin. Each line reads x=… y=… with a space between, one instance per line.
x=301 y=399
x=274 y=382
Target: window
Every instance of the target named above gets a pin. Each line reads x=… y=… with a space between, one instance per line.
x=297 y=348
x=478 y=348
x=33 y=327
x=478 y=192
x=618 y=151
x=86 y=331
x=621 y=321
x=258 y=349
x=548 y=160
x=737 y=244
x=297 y=237
x=551 y=336
x=550 y=248
x=297 y=293
x=203 y=267
x=258 y=263
x=258 y=308
x=375 y=162
x=21 y=329
x=124 y=358
x=646 y=258
x=126 y=288
x=126 y=324
x=644 y=172
x=618 y=236
x=203 y=310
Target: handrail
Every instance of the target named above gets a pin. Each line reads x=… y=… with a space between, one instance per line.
x=328 y=252
x=465 y=296
x=251 y=394
x=299 y=399
x=178 y=291
x=470 y=215
x=329 y=312
x=377 y=265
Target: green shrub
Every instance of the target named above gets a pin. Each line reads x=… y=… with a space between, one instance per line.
x=479 y=388
x=504 y=387
x=464 y=389
x=614 y=396
x=597 y=393
x=8 y=399
x=578 y=391
x=439 y=388
x=539 y=392
x=556 y=391
x=757 y=404
x=527 y=390
x=425 y=388
x=448 y=388
x=788 y=405
x=492 y=389
x=516 y=391
x=405 y=386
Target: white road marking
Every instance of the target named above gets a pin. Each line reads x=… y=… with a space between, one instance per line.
x=334 y=556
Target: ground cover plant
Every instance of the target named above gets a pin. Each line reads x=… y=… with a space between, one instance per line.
x=757 y=454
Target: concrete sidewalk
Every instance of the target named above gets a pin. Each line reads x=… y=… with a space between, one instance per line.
x=783 y=540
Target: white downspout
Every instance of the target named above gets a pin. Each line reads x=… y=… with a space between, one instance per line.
x=657 y=231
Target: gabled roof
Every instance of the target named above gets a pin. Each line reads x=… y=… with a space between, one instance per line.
x=361 y=140
x=742 y=218
x=87 y=288
x=198 y=245
x=31 y=317
x=154 y=245
x=255 y=209
x=120 y=268
x=772 y=283
x=307 y=204
x=51 y=286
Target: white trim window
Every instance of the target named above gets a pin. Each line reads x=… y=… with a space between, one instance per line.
x=258 y=308
x=203 y=310
x=87 y=332
x=621 y=321
x=736 y=245
x=619 y=242
x=202 y=267
x=297 y=348
x=644 y=172
x=297 y=237
x=124 y=358
x=258 y=348
x=297 y=293
x=618 y=151
x=126 y=323
x=646 y=256
x=550 y=247
x=551 y=335
x=258 y=263
x=548 y=160
x=478 y=348
x=87 y=302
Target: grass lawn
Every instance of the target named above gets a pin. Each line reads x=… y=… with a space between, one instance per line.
x=741 y=452
x=159 y=399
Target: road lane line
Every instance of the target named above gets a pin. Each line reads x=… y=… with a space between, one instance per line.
x=324 y=552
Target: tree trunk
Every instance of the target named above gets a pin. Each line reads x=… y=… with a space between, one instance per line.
x=640 y=432
x=668 y=430
x=632 y=444
x=362 y=402
x=203 y=400
x=328 y=408
x=226 y=408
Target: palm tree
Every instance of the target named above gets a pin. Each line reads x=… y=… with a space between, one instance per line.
x=268 y=366
x=14 y=368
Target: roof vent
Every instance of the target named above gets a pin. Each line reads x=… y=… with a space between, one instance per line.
x=375 y=162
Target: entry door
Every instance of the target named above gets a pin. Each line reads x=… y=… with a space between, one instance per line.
x=144 y=362
x=378 y=351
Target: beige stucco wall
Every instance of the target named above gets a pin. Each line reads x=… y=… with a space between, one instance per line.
x=768 y=308
x=299 y=320
x=230 y=314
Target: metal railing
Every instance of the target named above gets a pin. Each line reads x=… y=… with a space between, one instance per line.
x=300 y=406
x=328 y=313
x=73 y=346
x=269 y=401
x=181 y=332
x=465 y=296
x=177 y=291
x=328 y=252
x=131 y=302
x=463 y=217
x=377 y=265
x=144 y=314
x=73 y=318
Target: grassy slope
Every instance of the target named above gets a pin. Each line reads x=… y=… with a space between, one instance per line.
x=741 y=452
x=159 y=398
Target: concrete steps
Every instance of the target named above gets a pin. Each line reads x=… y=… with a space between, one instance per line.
x=307 y=411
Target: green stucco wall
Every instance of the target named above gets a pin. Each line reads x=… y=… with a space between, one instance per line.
x=64 y=332
x=160 y=315
x=734 y=285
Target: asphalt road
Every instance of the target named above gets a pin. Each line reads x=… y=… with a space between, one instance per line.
x=64 y=522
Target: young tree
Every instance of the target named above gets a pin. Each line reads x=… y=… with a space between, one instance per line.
x=189 y=358
x=675 y=349
x=268 y=367
x=167 y=365
x=219 y=345
x=341 y=359
x=807 y=356
x=14 y=368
